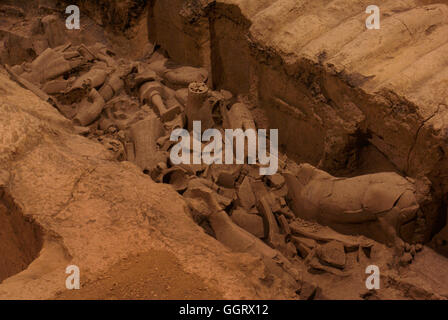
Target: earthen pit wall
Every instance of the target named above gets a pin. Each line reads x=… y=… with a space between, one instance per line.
x=21 y=238
x=231 y=61
x=186 y=43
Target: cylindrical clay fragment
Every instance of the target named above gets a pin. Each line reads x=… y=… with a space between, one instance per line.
x=90 y=109
x=93 y=79
x=111 y=87
x=197 y=95
x=145 y=134
x=151 y=93
x=59 y=67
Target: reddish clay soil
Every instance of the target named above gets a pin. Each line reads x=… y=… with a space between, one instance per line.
x=156 y=275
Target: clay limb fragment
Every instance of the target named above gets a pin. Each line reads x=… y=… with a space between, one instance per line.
x=284 y=224
x=196 y=108
x=92 y=79
x=59 y=67
x=44 y=59
x=112 y=86
x=50 y=65
x=144 y=76
x=90 y=108
x=152 y=92
x=236 y=238
x=56 y=86
x=145 y=134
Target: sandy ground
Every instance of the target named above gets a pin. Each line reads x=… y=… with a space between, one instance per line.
x=141 y=277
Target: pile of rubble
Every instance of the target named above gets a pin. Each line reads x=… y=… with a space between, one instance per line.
x=132 y=108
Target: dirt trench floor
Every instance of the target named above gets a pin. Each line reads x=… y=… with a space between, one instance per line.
x=156 y=275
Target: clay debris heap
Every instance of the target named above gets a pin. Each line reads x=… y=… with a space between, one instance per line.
x=302 y=221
